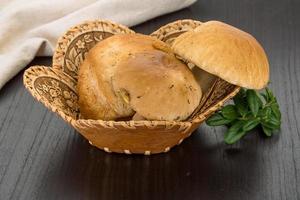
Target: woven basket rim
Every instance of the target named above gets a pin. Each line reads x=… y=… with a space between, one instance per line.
x=172 y=24
x=71 y=120
x=73 y=32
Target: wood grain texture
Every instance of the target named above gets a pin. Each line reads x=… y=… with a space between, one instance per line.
x=41 y=157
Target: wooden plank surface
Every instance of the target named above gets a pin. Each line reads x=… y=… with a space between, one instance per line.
x=41 y=157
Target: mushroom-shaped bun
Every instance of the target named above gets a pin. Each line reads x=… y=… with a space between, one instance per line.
x=221 y=50
x=134 y=73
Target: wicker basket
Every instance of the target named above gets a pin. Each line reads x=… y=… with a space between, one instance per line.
x=55 y=87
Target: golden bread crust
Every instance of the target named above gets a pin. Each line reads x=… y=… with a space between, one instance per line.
x=130 y=73
x=159 y=85
x=226 y=52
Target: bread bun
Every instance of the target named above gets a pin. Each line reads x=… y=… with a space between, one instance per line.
x=134 y=73
x=225 y=51
x=160 y=87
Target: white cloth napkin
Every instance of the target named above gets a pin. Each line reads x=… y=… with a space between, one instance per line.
x=32 y=27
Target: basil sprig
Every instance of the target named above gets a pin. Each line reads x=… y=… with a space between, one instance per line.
x=250 y=109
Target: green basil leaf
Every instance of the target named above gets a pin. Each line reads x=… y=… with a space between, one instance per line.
x=258 y=98
x=266 y=97
x=265 y=113
x=271 y=122
x=241 y=105
x=234 y=133
x=251 y=124
x=253 y=101
x=229 y=112
x=267 y=131
x=270 y=95
x=276 y=111
x=241 y=93
x=217 y=120
x=269 y=125
x=249 y=110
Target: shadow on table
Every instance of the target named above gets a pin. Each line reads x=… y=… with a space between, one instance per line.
x=193 y=169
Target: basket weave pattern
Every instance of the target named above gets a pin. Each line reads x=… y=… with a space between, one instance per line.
x=55 y=87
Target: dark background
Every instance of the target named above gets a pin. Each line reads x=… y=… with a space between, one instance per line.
x=41 y=157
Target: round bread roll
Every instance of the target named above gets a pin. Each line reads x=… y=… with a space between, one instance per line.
x=134 y=73
x=159 y=86
x=221 y=50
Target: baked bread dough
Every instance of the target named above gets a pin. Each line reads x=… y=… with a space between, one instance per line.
x=224 y=51
x=134 y=73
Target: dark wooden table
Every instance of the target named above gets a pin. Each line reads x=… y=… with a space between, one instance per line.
x=41 y=157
